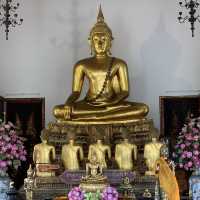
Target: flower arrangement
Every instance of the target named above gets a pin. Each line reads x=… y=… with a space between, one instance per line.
x=187 y=148
x=12 y=150
x=76 y=194
x=109 y=193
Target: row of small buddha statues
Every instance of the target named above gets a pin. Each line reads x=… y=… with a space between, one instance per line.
x=72 y=153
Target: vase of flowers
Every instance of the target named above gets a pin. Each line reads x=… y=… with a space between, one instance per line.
x=12 y=150
x=187 y=148
x=187 y=151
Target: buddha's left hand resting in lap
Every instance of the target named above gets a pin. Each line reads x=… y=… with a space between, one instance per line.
x=108 y=84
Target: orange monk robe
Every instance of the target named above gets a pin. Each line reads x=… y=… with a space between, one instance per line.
x=167 y=180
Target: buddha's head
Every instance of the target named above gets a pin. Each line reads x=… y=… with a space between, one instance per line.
x=71 y=136
x=44 y=136
x=93 y=159
x=125 y=134
x=30 y=171
x=154 y=133
x=98 y=133
x=100 y=38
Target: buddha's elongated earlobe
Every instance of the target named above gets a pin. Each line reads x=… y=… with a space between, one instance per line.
x=91 y=48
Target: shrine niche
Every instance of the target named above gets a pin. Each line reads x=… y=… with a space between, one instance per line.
x=28 y=114
x=174 y=111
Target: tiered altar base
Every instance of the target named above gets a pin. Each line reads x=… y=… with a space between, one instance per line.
x=51 y=187
x=60 y=185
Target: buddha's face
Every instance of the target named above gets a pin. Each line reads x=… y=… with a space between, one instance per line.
x=101 y=43
x=154 y=139
x=44 y=141
x=93 y=158
x=126 y=140
x=71 y=141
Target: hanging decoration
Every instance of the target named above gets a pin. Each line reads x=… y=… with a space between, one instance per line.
x=8 y=15
x=192 y=17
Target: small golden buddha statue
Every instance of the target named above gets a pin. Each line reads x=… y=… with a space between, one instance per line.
x=108 y=85
x=100 y=150
x=152 y=152
x=94 y=180
x=125 y=152
x=43 y=154
x=71 y=153
x=29 y=183
x=93 y=168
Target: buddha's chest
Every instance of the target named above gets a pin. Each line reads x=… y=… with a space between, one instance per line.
x=99 y=72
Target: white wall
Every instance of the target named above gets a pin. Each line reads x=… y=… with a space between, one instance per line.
x=38 y=58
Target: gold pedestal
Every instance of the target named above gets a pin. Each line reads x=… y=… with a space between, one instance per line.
x=139 y=131
x=93 y=185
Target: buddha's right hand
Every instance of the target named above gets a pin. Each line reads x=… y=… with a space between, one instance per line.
x=67 y=112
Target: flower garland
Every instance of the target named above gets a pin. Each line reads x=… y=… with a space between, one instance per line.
x=12 y=150
x=187 y=148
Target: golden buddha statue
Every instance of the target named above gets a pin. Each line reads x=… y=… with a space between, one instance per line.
x=71 y=153
x=125 y=152
x=152 y=152
x=93 y=168
x=100 y=150
x=43 y=154
x=94 y=180
x=108 y=85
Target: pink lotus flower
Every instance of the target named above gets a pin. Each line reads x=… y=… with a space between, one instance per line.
x=2 y=164
x=196 y=153
x=189 y=137
x=2 y=129
x=182 y=146
x=189 y=154
x=196 y=146
x=188 y=144
x=7 y=126
x=189 y=164
x=183 y=155
x=181 y=165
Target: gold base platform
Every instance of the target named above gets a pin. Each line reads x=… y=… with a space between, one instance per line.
x=93 y=186
x=139 y=131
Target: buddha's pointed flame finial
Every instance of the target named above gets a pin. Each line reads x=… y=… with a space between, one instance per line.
x=100 y=17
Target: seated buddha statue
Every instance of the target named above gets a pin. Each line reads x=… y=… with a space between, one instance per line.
x=108 y=84
x=94 y=180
